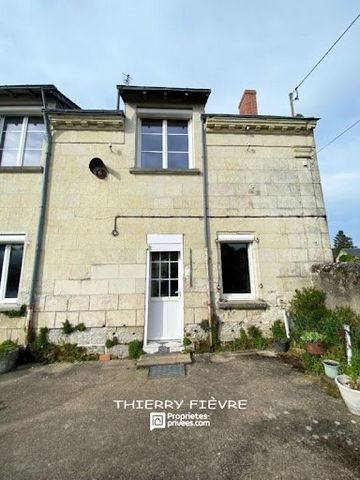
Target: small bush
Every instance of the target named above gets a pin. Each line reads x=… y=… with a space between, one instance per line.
x=312 y=363
x=6 y=347
x=68 y=328
x=205 y=325
x=111 y=342
x=242 y=342
x=257 y=339
x=312 y=337
x=307 y=310
x=135 y=349
x=41 y=341
x=16 y=313
x=353 y=370
x=278 y=331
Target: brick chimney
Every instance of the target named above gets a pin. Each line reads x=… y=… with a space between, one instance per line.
x=248 y=104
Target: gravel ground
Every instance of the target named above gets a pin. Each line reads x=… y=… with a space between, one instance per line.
x=61 y=422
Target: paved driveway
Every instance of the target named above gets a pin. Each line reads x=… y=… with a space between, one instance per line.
x=60 y=422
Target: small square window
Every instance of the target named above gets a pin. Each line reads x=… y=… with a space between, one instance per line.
x=164 y=144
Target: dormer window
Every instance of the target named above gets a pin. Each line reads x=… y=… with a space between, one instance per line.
x=21 y=140
x=164 y=143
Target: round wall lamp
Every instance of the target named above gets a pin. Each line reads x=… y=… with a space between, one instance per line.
x=98 y=168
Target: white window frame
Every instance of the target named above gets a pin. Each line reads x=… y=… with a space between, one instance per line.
x=8 y=241
x=164 y=115
x=24 y=128
x=238 y=238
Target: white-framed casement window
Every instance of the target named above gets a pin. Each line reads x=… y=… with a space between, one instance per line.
x=236 y=267
x=21 y=141
x=164 y=143
x=11 y=260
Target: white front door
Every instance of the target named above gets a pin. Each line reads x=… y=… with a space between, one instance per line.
x=164 y=308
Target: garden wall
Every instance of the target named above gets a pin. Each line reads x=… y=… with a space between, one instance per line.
x=341 y=283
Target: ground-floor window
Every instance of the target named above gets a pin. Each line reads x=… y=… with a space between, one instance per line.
x=11 y=258
x=236 y=267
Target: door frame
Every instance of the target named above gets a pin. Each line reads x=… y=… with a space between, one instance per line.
x=157 y=243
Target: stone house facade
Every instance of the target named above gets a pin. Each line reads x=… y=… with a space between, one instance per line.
x=155 y=221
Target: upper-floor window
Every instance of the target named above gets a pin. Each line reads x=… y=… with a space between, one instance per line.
x=164 y=143
x=21 y=140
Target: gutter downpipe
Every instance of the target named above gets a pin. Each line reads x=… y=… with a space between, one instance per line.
x=41 y=224
x=207 y=231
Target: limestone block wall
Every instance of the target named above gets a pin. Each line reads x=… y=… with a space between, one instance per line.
x=266 y=184
x=90 y=276
x=19 y=212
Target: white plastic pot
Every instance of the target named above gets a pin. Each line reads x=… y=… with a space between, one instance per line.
x=351 y=397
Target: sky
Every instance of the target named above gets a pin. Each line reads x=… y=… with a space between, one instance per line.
x=84 y=47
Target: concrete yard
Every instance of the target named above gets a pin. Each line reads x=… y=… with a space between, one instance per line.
x=61 y=422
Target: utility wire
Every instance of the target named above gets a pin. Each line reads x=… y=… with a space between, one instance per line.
x=325 y=54
x=338 y=136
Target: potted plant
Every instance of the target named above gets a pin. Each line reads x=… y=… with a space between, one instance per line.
x=331 y=368
x=281 y=341
x=9 y=352
x=349 y=385
x=314 y=342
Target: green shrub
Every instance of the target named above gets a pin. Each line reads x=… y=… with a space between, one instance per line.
x=15 y=313
x=68 y=328
x=278 y=331
x=312 y=363
x=111 y=342
x=307 y=310
x=242 y=342
x=135 y=349
x=6 y=347
x=41 y=340
x=312 y=337
x=256 y=337
x=205 y=325
x=353 y=370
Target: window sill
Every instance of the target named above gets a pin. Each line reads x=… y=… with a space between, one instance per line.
x=10 y=307
x=243 y=305
x=165 y=171
x=21 y=169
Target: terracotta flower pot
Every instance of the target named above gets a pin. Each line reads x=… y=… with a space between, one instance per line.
x=104 y=357
x=315 y=348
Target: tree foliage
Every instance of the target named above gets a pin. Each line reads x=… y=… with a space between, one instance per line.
x=342 y=241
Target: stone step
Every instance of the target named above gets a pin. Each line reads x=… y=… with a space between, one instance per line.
x=153 y=359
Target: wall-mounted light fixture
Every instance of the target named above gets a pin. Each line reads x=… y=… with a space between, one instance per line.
x=98 y=168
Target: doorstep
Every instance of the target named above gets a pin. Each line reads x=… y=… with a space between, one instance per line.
x=153 y=359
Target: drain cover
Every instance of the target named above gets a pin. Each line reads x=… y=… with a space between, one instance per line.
x=177 y=370
x=163 y=349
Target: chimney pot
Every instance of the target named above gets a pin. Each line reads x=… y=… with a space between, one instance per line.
x=248 y=103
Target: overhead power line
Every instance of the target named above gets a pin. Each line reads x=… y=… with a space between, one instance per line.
x=291 y=94
x=338 y=136
x=327 y=53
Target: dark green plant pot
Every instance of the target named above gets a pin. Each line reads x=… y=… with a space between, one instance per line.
x=8 y=361
x=282 y=346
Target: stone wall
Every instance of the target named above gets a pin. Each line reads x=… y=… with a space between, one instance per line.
x=267 y=184
x=341 y=283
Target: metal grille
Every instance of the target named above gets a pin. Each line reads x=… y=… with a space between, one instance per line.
x=177 y=370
